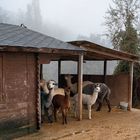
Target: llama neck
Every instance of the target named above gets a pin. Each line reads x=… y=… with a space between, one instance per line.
x=69 y=83
x=94 y=97
x=51 y=91
x=45 y=89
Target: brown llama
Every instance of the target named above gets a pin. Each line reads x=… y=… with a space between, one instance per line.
x=63 y=103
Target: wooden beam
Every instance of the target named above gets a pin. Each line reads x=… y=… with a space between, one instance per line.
x=38 y=101
x=105 y=68
x=131 y=87
x=80 y=83
x=41 y=71
x=59 y=72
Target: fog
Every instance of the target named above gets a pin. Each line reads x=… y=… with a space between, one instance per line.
x=65 y=20
x=62 y=19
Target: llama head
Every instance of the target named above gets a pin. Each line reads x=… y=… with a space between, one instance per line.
x=68 y=77
x=51 y=84
x=97 y=88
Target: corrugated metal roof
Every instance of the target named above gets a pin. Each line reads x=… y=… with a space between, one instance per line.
x=17 y=36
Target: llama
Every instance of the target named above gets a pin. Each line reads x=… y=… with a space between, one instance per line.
x=46 y=97
x=88 y=100
x=54 y=91
x=104 y=94
x=63 y=103
x=73 y=87
x=44 y=93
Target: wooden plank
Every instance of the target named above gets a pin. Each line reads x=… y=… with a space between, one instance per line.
x=105 y=68
x=1 y=79
x=38 y=105
x=131 y=87
x=41 y=71
x=80 y=83
x=113 y=54
x=59 y=72
x=103 y=52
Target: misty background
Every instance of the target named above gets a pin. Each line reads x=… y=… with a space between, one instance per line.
x=64 y=20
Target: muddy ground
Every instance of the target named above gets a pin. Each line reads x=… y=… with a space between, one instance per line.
x=117 y=125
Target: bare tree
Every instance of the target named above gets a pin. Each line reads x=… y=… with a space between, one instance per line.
x=122 y=21
x=119 y=18
x=33 y=16
x=3 y=15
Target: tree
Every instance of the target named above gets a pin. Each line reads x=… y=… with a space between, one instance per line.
x=120 y=18
x=122 y=22
x=33 y=15
x=3 y=15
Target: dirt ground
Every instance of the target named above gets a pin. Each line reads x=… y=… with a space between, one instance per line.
x=117 y=125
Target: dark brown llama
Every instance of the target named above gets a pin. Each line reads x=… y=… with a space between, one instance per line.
x=63 y=103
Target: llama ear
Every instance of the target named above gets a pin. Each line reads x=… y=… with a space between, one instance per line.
x=70 y=76
x=66 y=76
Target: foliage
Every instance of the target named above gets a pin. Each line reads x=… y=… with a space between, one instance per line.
x=122 y=21
x=120 y=18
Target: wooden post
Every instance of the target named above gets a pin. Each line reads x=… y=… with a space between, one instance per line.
x=41 y=71
x=105 y=66
x=131 y=87
x=80 y=83
x=59 y=72
x=38 y=106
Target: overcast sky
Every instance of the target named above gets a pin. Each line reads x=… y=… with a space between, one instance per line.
x=79 y=17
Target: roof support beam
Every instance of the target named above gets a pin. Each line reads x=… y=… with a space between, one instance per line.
x=131 y=87
x=105 y=68
x=59 y=72
x=41 y=71
x=80 y=83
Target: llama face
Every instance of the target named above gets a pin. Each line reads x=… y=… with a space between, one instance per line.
x=97 y=88
x=51 y=84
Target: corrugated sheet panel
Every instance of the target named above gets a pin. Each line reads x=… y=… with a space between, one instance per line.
x=13 y=35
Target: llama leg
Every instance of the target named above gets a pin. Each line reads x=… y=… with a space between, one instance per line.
x=99 y=107
x=66 y=118
x=55 y=112
x=89 y=112
x=50 y=114
x=108 y=103
x=100 y=101
x=63 y=116
x=75 y=109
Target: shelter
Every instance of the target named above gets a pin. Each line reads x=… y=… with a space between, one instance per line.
x=121 y=85
x=21 y=53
